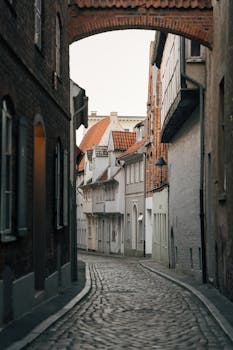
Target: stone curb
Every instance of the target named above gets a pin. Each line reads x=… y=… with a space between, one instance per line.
x=219 y=318
x=55 y=317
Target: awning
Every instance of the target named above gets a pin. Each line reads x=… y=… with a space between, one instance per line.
x=140 y=217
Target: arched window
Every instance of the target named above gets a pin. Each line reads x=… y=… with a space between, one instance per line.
x=6 y=170
x=38 y=23
x=58 y=46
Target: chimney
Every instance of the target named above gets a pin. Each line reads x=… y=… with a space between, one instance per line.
x=114 y=117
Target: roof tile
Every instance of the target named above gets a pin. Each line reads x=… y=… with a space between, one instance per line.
x=123 y=139
x=147 y=3
x=133 y=149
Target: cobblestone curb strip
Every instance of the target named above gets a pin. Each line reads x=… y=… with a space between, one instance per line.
x=225 y=326
x=49 y=321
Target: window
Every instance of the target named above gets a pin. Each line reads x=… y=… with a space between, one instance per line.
x=137 y=172
x=58 y=177
x=128 y=174
x=38 y=26
x=58 y=46
x=132 y=174
x=6 y=171
x=65 y=188
x=195 y=48
x=141 y=170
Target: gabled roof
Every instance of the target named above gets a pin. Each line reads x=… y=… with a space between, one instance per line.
x=94 y=134
x=133 y=149
x=92 y=138
x=122 y=140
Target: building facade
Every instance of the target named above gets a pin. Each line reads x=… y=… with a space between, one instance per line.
x=34 y=137
x=182 y=69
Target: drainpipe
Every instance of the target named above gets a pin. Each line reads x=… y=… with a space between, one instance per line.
x=185 y=78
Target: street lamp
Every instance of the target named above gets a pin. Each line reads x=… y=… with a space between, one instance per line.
x=160 y=163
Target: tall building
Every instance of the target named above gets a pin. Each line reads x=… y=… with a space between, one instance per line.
x=34 y=139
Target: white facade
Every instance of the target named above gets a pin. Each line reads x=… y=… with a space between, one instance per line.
x=180 y=124
x=148 y=226
x=127 y=122
x=160 y=251
x=170 y=73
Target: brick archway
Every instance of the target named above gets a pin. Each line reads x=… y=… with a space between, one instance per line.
x=189 y=18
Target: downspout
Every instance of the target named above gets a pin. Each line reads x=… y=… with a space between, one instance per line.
x=185 y=78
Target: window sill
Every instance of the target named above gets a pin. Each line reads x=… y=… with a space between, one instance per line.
x=8 y=238
x=222 y=197
x=195 y=60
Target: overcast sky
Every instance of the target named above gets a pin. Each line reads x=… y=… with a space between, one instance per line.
x=113 y=69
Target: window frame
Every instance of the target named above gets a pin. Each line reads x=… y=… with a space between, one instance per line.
x=58 y=35
x=6 y=171
x=38 y=24
x=58 y=179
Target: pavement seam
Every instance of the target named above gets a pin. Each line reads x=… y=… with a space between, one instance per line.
x=38 y=330
x=216 y=314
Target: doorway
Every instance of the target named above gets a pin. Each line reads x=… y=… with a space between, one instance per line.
x=134 y=228
x=39 y=208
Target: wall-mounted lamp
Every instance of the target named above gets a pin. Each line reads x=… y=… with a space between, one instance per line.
x=160 y=163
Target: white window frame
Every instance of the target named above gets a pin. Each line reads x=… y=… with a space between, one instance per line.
x=189 y=57
x=141 y=165
x=128 y=174
x=132 y=173
x=6 y=172
x=38 y=24
x=58 y=46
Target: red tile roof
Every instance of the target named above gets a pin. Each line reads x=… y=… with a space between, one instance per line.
x=123 y=139
x=92 y=138
x=94 y=134
x=146 y=3
x=133 y=149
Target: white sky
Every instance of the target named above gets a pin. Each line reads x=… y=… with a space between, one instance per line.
x=113 y=68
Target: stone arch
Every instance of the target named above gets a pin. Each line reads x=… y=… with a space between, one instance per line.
x=190 y=18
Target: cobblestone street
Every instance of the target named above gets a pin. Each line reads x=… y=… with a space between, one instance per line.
x=130 y=307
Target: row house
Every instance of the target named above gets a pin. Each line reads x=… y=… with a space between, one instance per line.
x=133 y=163
x=156 y=196
x=34 y=151
x=107 y=190
x=91 y=164
x=177 y=238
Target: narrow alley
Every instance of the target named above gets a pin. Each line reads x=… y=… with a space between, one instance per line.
x=130 y=307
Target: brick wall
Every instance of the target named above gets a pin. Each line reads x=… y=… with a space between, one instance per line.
x=155 y=148
x=86 y=19
x=27 y=78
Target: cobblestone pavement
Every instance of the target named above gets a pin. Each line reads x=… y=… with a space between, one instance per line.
x=132 y=308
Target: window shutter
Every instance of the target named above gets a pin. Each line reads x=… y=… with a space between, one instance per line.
x=22 y=178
